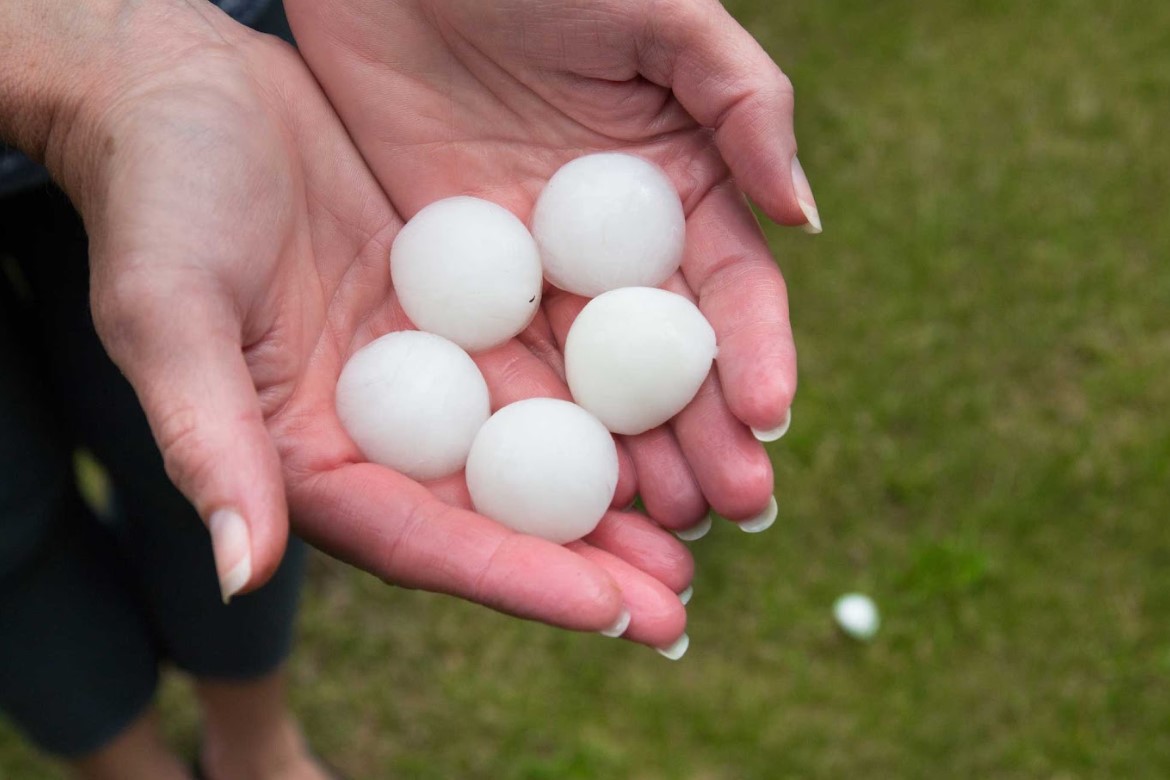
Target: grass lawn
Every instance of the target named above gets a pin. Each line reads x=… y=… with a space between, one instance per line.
x=980 y=442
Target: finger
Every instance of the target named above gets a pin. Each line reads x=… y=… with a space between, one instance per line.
x=657 y=615
x=726 y=80
x=541 y=341
x=731 y=466
x=625 y=535
x=742 y=294
x=627 y=486
x=640 y=543
x=562 y=309
x=193 y=383
x=387 y=524
x=451 y=490
x=668 y=488
x=513 y=373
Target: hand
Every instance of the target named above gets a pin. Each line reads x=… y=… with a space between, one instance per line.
x=239 y=256
x=461 y=96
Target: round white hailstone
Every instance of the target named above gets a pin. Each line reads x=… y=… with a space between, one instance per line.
x=413 y=401
x=636 y=356
x=606 y=221
x=543 y=467
x=857 y=616
x=468 y=270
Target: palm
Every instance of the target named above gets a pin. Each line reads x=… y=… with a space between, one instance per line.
x=471 y=104
x=460 y=96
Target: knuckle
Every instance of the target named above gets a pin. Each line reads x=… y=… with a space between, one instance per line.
x=131 y=300
x=188 y=456
x=782 y=83
x=670 y=24
x=120 y=305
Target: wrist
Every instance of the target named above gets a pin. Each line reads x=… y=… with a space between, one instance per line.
x=47 y=49
x=69 y=70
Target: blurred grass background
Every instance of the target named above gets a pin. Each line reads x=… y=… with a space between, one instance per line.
x=980 y=442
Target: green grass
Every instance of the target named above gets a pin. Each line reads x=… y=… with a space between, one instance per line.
x=980 y=442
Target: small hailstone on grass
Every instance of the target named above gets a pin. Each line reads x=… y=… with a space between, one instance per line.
x=468 y=270
x=857 y=616
x=413 y=401
x=606 y=221
x=543 y=467
x=635 y=357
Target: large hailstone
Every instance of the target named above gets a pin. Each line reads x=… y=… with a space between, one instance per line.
x=468 y=270
x=543 y=467
x=413 y=401
x=606 y=221
x=636 y=356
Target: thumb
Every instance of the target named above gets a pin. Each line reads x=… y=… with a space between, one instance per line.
x=178 y=342
x=726 y=81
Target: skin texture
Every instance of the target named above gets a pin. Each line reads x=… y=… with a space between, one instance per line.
x=444 y=97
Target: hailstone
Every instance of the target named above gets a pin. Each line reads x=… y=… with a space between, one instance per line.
x=468 y=270
x=857 y=616
x=543 y=467
x=413 y=401
x=606 y=221
x=636 y=356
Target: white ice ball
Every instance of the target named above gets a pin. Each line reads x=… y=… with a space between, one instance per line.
x=857 y=616
x=468 y=270
x=606 y=221
x=543 y=467
x=636 y=356
x=413 y=401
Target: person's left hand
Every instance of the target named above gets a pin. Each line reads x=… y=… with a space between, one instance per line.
x=238 y=255
x=447 y=97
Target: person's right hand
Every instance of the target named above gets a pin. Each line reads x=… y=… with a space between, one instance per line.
x=450 y=97
x=239 y=256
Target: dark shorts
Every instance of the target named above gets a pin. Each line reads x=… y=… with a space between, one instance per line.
x=91 y=606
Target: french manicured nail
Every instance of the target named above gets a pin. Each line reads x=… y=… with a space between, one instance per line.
x=620 y=625
x=762 y=521
x=695 y=532
x=805 y=198
x=232 y=547
x=676 y=649
x=775 y=433
x=685 y=596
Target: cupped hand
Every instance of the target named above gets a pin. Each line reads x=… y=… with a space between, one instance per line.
x=444 y=97
x=239 y=256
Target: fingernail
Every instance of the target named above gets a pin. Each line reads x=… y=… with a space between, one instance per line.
x=620 y=625
x=695 y=532
x=233 y=551
x=804 y=197
x=676 y=649
x=685 y=596
x=774 y=433
x=762 y=521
